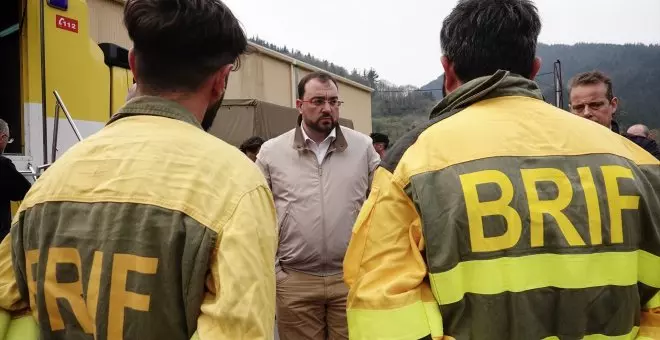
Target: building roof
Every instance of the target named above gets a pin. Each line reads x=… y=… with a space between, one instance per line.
x=304 y=65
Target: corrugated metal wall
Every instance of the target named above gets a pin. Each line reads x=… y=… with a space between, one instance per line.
x=261 y=76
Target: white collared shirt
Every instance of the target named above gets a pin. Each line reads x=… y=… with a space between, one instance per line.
x=319 y=149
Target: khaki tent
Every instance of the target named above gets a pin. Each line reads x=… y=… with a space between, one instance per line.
x=240 y=119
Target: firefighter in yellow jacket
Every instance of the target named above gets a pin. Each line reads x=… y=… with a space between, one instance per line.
x=504 y=217
x=152 y=228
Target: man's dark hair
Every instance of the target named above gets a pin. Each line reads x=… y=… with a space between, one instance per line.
x=321 y=76
x=592 y=78
x=178 y=44
x=482 y=36
x=378 y=137
x=251 y=144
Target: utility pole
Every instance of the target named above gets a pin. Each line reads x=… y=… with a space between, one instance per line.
x=559 y=90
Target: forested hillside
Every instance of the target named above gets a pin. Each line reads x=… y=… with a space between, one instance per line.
x=635 y=71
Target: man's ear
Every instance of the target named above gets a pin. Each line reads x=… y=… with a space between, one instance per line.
x=299 y=103
x=536 y=67
x=615 y=104
x=220 y=80
x=451 y=80
x=132 y=63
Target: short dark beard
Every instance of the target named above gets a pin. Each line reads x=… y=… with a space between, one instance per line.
x=316 y=126
x=211 y=113
x=212 y=110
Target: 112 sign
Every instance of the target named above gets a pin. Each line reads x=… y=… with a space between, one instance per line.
x=66 y=24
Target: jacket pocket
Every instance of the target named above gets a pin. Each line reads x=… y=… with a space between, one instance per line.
x=284 y=219
x=290 y=238
x=282 y=227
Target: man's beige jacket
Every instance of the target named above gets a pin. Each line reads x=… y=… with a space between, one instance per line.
x=317 y=204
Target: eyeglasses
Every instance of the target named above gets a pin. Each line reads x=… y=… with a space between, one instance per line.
x=334 y=102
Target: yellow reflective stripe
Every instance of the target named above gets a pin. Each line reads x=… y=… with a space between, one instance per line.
x=649 y=269
x=23 y=328
x=654 y=302
x=409 y=322
x=5 y=318
x=434 y=319
x=629 y=336
x=518 y=274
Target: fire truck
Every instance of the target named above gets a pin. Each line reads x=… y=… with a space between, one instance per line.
x=59 y=85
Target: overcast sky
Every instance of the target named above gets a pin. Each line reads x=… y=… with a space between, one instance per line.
x=400 y=39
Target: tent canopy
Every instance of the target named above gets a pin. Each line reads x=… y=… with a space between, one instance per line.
x=240 y=119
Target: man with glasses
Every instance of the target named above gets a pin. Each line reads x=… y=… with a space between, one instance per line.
x=320 y=174
x=13 y=186
x=592 y=97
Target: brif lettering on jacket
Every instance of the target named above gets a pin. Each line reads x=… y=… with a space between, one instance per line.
x=563 y=208
x=63 y=280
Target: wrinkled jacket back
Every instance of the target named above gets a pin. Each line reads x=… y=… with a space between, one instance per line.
x=115 y=240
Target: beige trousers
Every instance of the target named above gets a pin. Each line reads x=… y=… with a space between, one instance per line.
x=311 y=307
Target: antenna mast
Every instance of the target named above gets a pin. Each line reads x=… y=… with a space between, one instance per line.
x=559 y=89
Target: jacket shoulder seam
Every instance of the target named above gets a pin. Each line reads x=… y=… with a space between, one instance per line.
x=396 y=153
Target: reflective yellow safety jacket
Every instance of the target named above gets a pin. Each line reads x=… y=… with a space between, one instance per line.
x=148 y=229
x=507 y=218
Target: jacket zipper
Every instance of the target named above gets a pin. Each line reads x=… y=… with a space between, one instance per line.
x=324 y=256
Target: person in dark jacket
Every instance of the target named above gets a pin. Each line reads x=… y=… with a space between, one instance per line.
x=13 y=186
x=641 y=135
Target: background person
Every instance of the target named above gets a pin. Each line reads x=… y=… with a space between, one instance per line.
x=13 y=185
x=251 y=146
x=380 y=142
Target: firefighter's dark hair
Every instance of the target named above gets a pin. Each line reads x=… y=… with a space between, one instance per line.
x=178 y=44
x=481 y=37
